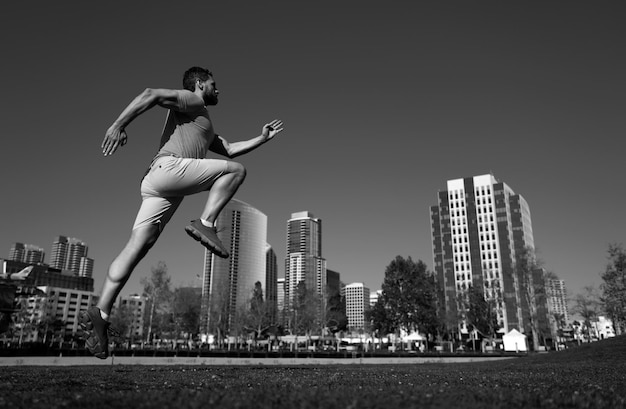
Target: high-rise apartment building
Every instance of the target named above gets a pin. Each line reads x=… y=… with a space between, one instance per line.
x=480 y=228
x=27 y=253
x=77 y=250
x=71 y=254
x=556 y=293
x=58 y=255
x=304 y=261
x=228 y=283
x=357 y=303
x=85 y=268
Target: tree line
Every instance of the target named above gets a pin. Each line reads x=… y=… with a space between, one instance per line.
x=609 y=299
x=175 y=313
x=409 y=301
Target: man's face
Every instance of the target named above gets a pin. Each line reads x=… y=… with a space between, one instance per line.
x=209 y=92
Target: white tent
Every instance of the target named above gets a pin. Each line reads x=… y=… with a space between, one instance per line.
x=515 y=341
x=413 y=337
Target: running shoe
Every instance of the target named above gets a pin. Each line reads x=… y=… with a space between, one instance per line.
x=207 y=236
x=95 y=332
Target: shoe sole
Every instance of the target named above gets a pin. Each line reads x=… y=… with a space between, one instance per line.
x=212 y=247
x=85 y=322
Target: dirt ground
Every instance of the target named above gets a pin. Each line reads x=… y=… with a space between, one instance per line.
x=589 y=376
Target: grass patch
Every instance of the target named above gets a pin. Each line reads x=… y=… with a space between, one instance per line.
x=589 y=376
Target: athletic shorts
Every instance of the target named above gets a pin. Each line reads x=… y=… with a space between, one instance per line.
x=169 y=180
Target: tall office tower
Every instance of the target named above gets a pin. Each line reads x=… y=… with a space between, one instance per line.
x=357 y=303
x=227 y=284
x=479 y=229
x=270 y=285
x=304 y=260
x=556 y=293
x=27 y=253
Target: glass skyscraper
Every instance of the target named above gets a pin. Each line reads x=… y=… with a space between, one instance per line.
x=227 y=284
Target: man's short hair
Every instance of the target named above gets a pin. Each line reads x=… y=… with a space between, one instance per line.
x=194 y=74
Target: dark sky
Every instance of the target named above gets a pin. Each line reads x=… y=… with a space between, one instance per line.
x=382 y=105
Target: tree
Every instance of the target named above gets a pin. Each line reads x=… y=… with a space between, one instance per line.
x=23 y=319
x=379 y=319
x=481 y=314
x=587 y=305
x=159 y=293
x=531 y=282
x=408 y=299
x=258 y=317
x=122 y=319
x=336 y=319
x=219 y=315
x=614 y=287
x=560 y=324
x=304 y=314
x=186 y=310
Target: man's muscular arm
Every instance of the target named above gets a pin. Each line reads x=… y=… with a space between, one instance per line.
x=116 y=134
x=231 y=150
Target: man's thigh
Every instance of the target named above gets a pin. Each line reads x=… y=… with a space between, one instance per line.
x=156 y=210
x=183 y=176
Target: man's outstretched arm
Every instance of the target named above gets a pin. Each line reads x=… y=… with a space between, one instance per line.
x=116 y=134
x=231 y=150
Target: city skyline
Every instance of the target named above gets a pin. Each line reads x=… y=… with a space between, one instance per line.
x=381 y=106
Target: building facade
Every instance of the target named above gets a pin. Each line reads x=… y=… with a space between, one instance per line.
x=374 y=297
x=27 y=253
x=71 y=254
x=270 y=287
x=227 y=284
x=556 y=293
x=54 y=296
x=64 y=304
x=280 y=299
x=136 y=305
x=304 y=261
x=357 y=303
x=480 y=230
x=333 y=282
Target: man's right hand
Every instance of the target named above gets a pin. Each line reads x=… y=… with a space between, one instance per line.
x=113 y=139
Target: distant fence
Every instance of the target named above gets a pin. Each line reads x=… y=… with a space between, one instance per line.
x=42 y=351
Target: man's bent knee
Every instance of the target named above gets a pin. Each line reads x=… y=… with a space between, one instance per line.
x=237 y=169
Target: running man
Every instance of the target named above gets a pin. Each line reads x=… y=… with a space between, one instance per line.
x=180 y=168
